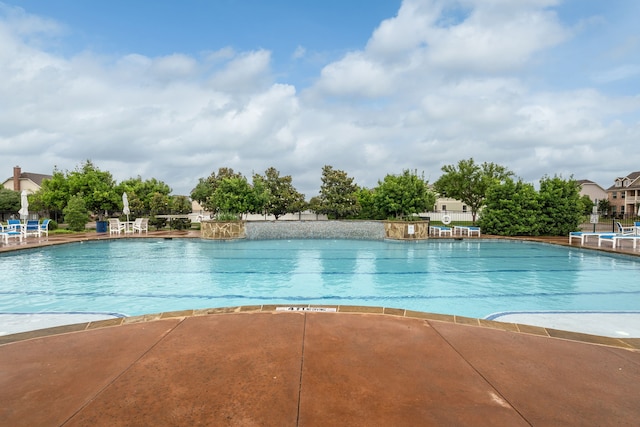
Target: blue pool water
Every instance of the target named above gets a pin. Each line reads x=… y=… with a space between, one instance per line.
x=468 y=277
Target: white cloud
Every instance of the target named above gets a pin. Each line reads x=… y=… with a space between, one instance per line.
x=300 y=52
x=244 y=73
x=439 y=82
x=355 y=75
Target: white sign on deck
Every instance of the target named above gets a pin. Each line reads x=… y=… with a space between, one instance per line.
x=323 y=309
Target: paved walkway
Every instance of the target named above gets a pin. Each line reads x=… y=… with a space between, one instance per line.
x=315 y=369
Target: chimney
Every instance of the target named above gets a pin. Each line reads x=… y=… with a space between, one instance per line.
x=16 y=178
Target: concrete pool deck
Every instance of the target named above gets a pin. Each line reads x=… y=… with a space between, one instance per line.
x=358 y=366
x=316 y=369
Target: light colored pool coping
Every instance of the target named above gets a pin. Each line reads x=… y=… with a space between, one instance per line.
x=626 y=343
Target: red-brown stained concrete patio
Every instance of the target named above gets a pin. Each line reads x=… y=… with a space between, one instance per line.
x=269 y=368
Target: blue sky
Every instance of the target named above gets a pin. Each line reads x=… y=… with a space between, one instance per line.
x=175 y=90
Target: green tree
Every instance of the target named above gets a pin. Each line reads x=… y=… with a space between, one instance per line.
x=54 y=193
x=259 y=196
x=469 y=182
x=367 y=203
x=180 y=205
x=203 y=191
x=9 y=201
x=511 y=210
x=282 y=198
x=604 y=207
x=403 y=195
x=140 y=193
x=97 y=188
x=37 y=205
x=561 y=209
x=233 y=196
x=338 y=194
x=315 y=205
x=587 y=205
x=76 y=214
x=160 y=205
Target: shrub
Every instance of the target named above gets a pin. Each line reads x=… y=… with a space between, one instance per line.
x=76 y=214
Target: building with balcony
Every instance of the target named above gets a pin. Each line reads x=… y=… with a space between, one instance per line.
x=624 y=196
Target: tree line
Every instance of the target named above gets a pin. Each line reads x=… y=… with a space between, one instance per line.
x=509 y=205
x=228 y=194
x=88 y=193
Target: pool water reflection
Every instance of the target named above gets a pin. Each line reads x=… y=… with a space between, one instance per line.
x=472 y=278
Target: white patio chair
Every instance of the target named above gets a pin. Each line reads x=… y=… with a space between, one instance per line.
x=140 y=225
x=115 y=226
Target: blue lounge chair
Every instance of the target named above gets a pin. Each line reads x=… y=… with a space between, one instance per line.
x=14 y=225
x=440 y=230
x=31 y=228
x=616 y=239
x=468 y=230
x=583 y=236
x=44 y=227
x=5 y=234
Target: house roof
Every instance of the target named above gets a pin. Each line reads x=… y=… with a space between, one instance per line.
x=35 y=177
x=633 y=177
x=583 y=182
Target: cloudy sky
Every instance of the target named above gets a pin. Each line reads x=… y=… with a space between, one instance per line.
x=175 y=90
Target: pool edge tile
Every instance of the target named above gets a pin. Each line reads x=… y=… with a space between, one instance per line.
x=41 y=333
x=360 y=309
x=632 y=344
x=217 y=310
x=178 y=313
x=106 y=323
x=493 y=324
x=532 y=330
x=430 y=316
x=394 y=311
x=463 y=320
x=587 y=338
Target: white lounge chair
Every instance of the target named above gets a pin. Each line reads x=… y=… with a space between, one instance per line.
x=115 y=226
x=440 y=230
x=617 y=239
x=468 y=230
x=625 y=230
x=140 y=225
x=5 y=234
x=583 y=236
x=31 y=228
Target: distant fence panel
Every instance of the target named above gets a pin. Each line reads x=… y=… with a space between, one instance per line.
x=455 y=216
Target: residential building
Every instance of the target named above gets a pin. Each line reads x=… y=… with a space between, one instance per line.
x=31 y=182
x=593 y=190
x=444 y=204
x=624 y=195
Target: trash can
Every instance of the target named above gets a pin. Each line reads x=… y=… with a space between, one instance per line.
x=101 y=226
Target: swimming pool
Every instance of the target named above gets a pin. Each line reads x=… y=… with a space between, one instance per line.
x=470 y=277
